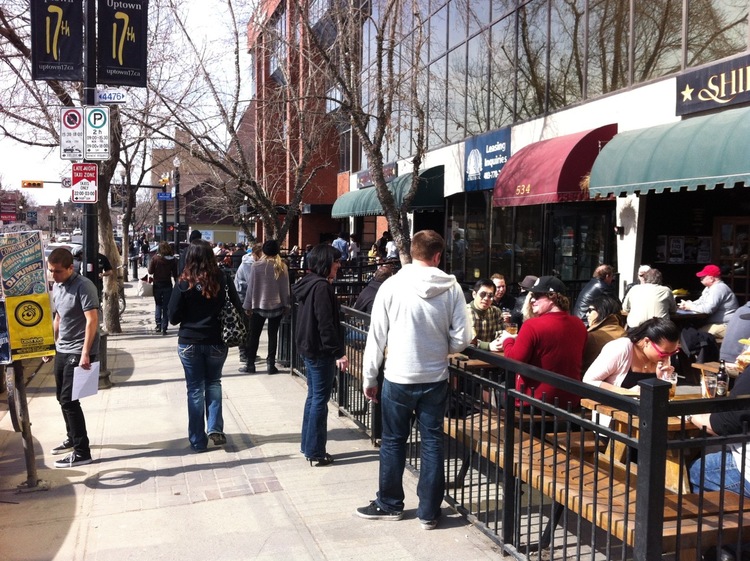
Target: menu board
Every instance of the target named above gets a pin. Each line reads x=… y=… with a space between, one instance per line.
x=26 y=318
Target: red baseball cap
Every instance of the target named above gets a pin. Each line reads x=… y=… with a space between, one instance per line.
x=709 y=271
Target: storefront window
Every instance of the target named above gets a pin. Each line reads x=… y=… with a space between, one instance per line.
x=532 y=60
x=517 y=241
x=608 y=47
x=580 y=242
x=502 y=75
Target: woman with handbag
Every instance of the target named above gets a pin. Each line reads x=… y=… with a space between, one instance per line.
x=196 y=304
x=320 y=342
x=267 y=297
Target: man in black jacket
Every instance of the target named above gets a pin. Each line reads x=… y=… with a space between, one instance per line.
x=602 y=283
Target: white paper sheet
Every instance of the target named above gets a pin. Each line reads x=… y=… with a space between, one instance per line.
x=85 y=382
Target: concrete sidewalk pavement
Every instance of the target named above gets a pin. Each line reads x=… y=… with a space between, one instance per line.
x=148 y=497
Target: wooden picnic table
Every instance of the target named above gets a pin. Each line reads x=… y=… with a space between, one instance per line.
x=676 y=474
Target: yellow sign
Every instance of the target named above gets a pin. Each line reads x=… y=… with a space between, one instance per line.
x=30 y=326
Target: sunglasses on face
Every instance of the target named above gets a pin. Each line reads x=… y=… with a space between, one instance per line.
x=484 y=295
x=590 y=309
x=661 y=353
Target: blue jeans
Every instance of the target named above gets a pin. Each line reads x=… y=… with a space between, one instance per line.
x=320 y=374
x=162 y=293
x=712 y=477
x=399 y=403
x=202 y=365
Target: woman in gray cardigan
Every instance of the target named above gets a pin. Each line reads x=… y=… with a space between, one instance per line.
x=267 y=297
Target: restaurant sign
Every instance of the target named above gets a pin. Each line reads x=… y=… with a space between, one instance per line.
x=364 y=178
x=719 y=85
x=484 y=157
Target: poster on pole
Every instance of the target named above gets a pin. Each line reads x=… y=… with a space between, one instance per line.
x=122 y=32
x=57 y=40
x=28 y=309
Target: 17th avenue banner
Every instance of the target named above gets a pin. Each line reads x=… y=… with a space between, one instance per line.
x=56 y=40
x=122 y=32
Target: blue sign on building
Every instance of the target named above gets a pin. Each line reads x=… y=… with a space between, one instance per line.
x=164 y=196
x=484 y=157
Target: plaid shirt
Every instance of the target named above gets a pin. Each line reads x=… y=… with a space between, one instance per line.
x=486 y=323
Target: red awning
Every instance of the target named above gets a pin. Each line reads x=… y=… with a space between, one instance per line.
x=550 y=171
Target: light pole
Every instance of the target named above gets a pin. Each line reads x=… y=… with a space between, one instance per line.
x=51 y=223
x=164 y=181
x=176 y=163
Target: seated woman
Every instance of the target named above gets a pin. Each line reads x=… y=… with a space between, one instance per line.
x=626 y=361
x=605 y=325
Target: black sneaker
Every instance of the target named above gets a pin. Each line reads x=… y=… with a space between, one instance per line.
x=249 y=368
x=66 y=446
x=374 y=512
x=72 y=460
x=218 y=438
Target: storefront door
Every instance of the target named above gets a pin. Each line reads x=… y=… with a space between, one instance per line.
x=581 y=238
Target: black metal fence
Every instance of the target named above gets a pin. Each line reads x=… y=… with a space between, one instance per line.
x=564 y=482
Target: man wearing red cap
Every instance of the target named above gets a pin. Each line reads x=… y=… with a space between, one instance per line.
x=717 y=300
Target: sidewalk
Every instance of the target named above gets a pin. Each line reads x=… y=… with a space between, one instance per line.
x=147 y=497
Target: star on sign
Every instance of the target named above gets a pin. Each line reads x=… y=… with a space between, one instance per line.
x=687 y=93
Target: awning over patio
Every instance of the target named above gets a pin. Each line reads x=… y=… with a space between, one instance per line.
x=701 y=151
x=550 y=171
x=364 y=202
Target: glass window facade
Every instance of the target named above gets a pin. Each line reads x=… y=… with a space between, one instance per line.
x=494 y=63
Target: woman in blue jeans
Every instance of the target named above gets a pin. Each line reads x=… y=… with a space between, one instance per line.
x=196 y=301
x=320 y=342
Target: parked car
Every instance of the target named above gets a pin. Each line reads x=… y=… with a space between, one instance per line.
x=77 y=232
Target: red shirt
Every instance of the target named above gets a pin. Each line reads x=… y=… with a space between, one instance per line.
x=554 y=341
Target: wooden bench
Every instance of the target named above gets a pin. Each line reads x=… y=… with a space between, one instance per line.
x=591 y=488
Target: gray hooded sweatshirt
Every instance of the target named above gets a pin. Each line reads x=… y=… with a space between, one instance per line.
x=420 y=316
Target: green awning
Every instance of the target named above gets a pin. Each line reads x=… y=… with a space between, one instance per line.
x=701 y=151
x=364 y=202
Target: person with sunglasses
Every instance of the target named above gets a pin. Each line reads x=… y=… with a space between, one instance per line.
x=626 y=361
x=553 y=340
x=486 y=319
x=605 y=324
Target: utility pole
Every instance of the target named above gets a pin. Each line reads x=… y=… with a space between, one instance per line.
x=176 y=163
x=90 y=223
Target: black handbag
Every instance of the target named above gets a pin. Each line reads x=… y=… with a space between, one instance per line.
x=233 y=330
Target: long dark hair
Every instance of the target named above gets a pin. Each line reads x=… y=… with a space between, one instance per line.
x=656 y=329
x=201 y=270
x=321 y=258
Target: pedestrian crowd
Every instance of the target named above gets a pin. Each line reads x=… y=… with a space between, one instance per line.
x=418 y=317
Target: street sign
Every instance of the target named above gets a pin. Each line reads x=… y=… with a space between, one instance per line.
x=164 y=196
x=66 y=182
x=85 y=177
x=111 y=96
x=96 y=145
x=71 y=133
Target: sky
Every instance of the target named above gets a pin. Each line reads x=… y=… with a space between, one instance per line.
x=19 y=162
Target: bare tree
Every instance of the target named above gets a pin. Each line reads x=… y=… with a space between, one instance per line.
x=374 y=77
x=30 y=117
x=211 y=119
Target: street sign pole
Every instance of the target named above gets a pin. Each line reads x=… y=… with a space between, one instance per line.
x=90 y=222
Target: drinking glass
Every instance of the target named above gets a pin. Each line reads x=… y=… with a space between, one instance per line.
x=670 y=377
x=708 y=385
x=511 y=328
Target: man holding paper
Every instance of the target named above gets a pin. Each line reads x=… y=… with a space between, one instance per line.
x=76 y=327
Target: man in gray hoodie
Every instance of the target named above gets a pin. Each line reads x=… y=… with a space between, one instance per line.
x=420 y=316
